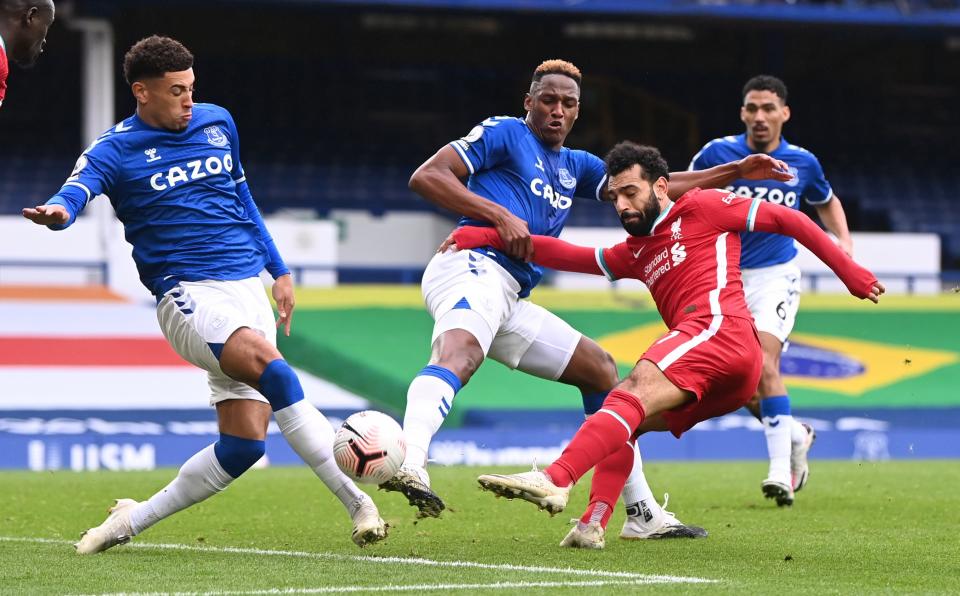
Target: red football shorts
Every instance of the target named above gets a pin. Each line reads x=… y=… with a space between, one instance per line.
x=718 y=359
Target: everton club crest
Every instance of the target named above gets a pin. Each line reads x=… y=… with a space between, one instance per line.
x=215 y=136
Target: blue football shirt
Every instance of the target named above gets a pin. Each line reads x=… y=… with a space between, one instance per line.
x=512 y=167
x=761 y=249
x=182 y=199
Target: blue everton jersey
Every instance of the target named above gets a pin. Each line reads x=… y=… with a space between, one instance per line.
x=509 y=165
x=761 y=249
x=181 y=196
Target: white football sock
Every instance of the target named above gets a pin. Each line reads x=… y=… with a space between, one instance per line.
x=637 y=496
x=778 y=430
x=429 y=400
x=200 y=477
x=311 y=436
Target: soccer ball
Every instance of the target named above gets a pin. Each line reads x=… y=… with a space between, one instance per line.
x=369 y=447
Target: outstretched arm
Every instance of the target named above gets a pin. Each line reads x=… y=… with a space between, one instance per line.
x=789 y=222
x=438 y=181
x=753 y=167
x=94 y=174
x=547 y=251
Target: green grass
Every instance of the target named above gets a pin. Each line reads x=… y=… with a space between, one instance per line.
x=857 y=528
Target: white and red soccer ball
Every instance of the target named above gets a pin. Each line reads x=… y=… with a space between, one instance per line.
x=369 y=447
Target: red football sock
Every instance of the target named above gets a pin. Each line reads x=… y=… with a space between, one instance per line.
x=608 y=479
x=601 y=435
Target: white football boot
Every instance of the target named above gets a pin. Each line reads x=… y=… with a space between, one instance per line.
x=114 y=530
x=414 y=483
x=368 y=527
x=584 y=536
x=781 y=491
x=649 y=524
x=533 y=486
x=799 y=467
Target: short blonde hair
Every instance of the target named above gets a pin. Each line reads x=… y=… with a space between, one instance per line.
x=561 y=67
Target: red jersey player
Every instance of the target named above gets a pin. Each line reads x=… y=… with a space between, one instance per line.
x=23 y=33
x=708 y=364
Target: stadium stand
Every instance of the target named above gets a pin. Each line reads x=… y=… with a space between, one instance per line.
x=349 y=131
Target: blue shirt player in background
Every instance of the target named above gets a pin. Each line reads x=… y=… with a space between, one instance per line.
x=771 y=280
x=174 y=177
x=520 y=179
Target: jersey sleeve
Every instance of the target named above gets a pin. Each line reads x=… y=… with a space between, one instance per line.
x=592 y=178
x=95 y=173
x=818 y=190
x=726 y=211
x=614 y=262
x=487 y=144
x=275 y=264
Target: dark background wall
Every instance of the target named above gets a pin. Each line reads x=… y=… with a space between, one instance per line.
x=346 y=96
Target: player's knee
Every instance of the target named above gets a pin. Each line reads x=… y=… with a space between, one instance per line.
x=638 y=379
x=595 y=369
x=237 y=454
x=280 y=385
x=460 y=353
x=653 y=389
x=607 y=373
x=246 y=354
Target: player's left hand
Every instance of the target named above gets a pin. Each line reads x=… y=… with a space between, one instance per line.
x=875 y=291
x=283 y=295
x=760 y=166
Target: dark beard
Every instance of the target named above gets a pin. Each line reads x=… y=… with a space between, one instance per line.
x=641 y=227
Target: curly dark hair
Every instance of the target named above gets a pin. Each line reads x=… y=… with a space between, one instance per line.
x=626 y=154
x=766 y=83
x=154 y=56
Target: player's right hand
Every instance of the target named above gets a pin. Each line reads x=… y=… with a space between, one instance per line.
x=760 y=166
x=47 y=215
x=449 y=243
x=516 y=237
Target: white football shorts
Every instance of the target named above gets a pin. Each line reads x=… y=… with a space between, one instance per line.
x=773 y=296
x=197 y=318
x=467 y=290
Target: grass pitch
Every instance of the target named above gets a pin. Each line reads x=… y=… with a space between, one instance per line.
x=856 y=528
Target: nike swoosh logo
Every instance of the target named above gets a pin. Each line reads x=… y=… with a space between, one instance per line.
x=775 y=422
x=636 y=253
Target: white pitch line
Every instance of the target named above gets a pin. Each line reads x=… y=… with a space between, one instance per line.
x=401 y=588
x=642 y=577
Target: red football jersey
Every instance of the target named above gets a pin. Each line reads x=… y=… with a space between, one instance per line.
x=691 y=260
x=4 y=71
